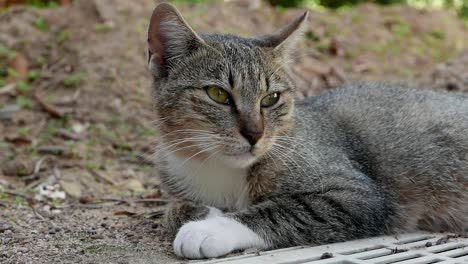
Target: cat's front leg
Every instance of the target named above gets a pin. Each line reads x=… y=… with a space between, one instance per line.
x=180 y=212
x=298 y=219
x=215 y=237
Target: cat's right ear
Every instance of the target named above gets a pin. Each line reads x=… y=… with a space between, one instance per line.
x=283 y=40
x=169 y=37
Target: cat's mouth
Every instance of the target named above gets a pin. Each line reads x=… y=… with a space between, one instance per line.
x=241 y=160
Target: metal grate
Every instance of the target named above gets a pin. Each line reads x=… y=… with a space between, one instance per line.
x=418 y=248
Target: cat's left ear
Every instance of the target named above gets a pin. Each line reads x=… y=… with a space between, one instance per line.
x=283 y=40
x=169 y=37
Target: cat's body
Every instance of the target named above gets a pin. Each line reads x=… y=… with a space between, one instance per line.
x=251 y=168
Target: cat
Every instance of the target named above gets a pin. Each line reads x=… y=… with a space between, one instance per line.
x=250 y=167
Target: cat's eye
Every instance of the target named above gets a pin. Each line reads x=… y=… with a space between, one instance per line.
x=270 y=100
x=218 y=95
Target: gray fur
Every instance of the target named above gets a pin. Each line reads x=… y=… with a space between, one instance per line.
x=361 y=160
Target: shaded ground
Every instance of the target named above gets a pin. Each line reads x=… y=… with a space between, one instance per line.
x=76 y=113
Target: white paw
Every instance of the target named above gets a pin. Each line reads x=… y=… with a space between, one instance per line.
x=214 y=237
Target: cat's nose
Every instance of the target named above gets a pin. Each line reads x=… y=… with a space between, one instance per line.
x=251 y=136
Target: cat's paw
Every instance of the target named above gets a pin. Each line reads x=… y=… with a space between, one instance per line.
x=214 y=237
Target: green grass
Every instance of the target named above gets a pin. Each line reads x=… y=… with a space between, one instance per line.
x=400 y=29
x=6 y=52
x=11 y=72
x=3 y=144
x=63 y=36
x=22 y=87
x=24 y=102
x=42 y=3
x=74 y=79
x=33 y=75
x=40 y=24
x=103 y=27
x=23 y=131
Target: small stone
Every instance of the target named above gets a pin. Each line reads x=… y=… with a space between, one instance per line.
x=85 y=199
x=8 y=232
x=21 y=165
x=104 y=225
x=326 y=255
x=3 y=228
x=22 y=249
x=429 y=244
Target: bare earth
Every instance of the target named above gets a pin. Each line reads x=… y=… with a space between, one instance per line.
x=82 y=122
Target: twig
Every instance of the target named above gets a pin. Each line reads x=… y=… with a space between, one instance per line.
x=157 y=201
x=114 y=200
x=97 y=205
x=100 y=176
x=7 y=111
x=50 y=109
x=7 y=88
x=31 y=204
x=13 y=193
x=37 y=168
x=54 y=150
x=67 y=134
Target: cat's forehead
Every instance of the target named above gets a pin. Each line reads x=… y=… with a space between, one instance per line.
x=243 y=63
x=234 y=63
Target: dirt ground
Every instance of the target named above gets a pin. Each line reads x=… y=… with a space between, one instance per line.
x=76 y=116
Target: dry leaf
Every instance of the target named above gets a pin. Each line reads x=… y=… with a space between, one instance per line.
x=71 y=188
x=20 y=65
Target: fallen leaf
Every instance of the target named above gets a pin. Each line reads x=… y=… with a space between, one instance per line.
x=132 y=185
x=71 y=188
x=85 y=199
x=20 y=65
x=18 y=140
x=125 y=212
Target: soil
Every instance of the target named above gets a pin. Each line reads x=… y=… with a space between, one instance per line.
x=76 y=115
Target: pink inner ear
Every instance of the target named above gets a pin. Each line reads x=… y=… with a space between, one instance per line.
x=155 y=38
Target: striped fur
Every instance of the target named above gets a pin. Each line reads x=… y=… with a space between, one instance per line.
x=358 y=161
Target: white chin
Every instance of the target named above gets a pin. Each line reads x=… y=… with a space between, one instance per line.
x=238 y=161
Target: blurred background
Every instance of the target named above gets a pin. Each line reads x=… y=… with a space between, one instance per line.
x=76 y=115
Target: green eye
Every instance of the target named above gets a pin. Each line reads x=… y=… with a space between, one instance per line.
x=218 y=95
x=270 y=100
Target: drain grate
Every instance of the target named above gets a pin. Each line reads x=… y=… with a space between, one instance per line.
x=417 y=248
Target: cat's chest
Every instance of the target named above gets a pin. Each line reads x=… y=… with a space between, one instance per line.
x=210 y=182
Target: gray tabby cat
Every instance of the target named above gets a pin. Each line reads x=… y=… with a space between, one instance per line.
x=250 y=167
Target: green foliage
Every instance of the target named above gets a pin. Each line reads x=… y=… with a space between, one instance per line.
x=22 y=87
x=11 y=72
x=6 y=52
x=74 y=79
x=460 y=6
x=62 y=36
x=42 y=3
x=103 y=27
x=40 y=24
x=286 y=3
x=3 y=144
x=24 y=102
x=331 y=3
x=33 y=75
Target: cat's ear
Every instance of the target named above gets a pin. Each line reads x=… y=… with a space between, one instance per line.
x=283 y=40
x=169 y=37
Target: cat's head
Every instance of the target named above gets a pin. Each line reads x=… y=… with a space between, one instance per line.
x=218 y=96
